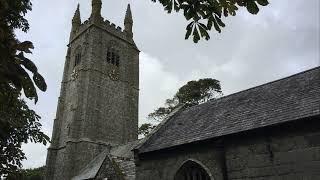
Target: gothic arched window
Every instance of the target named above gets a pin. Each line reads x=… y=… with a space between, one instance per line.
x=77 y=57
x=191 y=170
x=113 y=56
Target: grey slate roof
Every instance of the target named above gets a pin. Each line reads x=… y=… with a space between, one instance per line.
x=124 y=150
x=122 y=156
x=280 y=101
x=91 y=170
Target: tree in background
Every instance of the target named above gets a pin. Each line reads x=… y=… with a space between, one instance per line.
x=205 y=14
x=28 y=174
x=18 y=124
x=191 y=94
x=145 y=129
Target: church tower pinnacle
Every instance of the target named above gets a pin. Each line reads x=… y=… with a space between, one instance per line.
x=128 y=22
x=98 y=103
x=96 y=11
x=76 y=22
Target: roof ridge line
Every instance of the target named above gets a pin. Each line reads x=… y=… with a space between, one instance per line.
x=261 y=85
x=158 y=127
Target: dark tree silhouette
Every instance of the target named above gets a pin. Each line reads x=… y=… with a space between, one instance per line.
x=18 y=124
x=205 y=14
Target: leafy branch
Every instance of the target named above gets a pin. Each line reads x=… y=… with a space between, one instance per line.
x=13 y=63
x=18 y=123
x=207 y=14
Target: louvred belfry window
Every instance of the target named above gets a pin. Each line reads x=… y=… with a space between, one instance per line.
x=113 y=57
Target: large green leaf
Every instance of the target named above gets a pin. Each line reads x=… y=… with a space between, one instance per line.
x=189 y=30
x=203 y=31
x=25 y=46
x=252 y=7
x=263 y=2
x=196 y=36
x=27 y=85
x=216 y=26
x=210 y=23
x=27 y=63
x=219 y=21
x=40 y=82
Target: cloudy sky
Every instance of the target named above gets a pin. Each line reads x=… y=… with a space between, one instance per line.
x=281 y=40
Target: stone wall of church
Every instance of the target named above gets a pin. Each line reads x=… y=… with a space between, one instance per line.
x=291 y=152
x=67 y=160
x=164 y=165
x=108 y=107
x=287 y=152
x=98 y=105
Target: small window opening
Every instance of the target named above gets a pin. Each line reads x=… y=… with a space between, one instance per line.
x=77 y=59
x=113 y=57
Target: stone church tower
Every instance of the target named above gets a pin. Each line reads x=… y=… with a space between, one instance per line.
x=98 y=103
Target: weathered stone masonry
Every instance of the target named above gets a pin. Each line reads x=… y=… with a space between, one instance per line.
x=98 y=103
x=290 y=152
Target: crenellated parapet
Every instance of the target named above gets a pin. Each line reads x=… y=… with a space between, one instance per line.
x=97 y=20
x=104 y=25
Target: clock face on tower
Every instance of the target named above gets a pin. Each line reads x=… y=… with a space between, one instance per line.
x=114 y=74
x=74 y=75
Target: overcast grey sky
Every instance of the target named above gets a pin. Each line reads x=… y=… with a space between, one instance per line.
x=281 y=40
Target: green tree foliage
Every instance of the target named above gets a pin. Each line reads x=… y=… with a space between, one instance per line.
x=13 y=63
x=145 y=129
x=205 y=14
x=18 y=124
x=28 y=174
x=198 y=92
x=191 y=94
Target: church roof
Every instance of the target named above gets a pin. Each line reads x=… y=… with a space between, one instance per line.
x=277 y=102
x=122 y=159
x=92 y=168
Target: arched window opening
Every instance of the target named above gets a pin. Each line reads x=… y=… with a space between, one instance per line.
x=113 y=57
x=191 y=171
x=78 y=59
